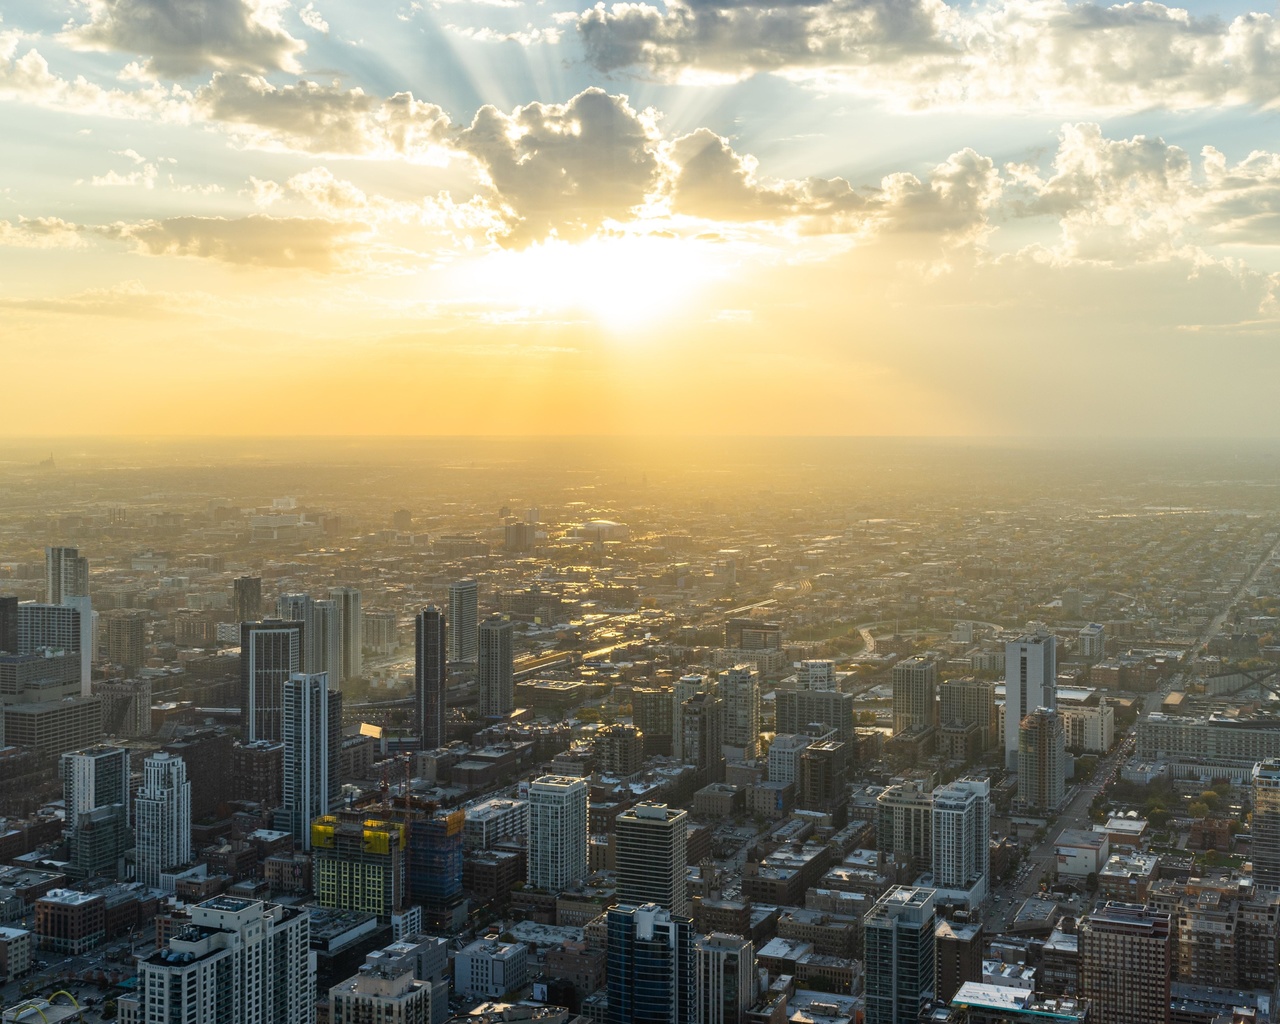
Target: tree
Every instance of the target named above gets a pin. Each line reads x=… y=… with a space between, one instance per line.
x=1091 y=881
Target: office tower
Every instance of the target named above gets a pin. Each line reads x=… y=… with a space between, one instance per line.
x=346 y=601
x=557 y=832
x=740 y=695
x=915 y=687
x=495 y=667
x=701 y=729
x=797 y=710
x=1265 y=846
x=1093 y=642
x=464 y=620
x=651 y=966
x=270 y=653
x=51 y=727
x=652 y=862
x=385 y=990
x=752 y=635
x=312 y=748
x=821 y=784
x=430 y=676
x=655 y=714
x=1042 y=760
x=784 y=757
x=1030 y=682
x=962 y=835
x=125 y=639
x=685 y=687
x=206 y=754
x=969 y=701
x=66 y=575
x=1125 y=964
x=435 y=860
x=899 y=955
x=237 y=961
x=95 y=777
x=162 y=811
x=66 y=627
x=320 y=636
x=904 y=824
x=815 y=675
x=99 y=842
x=246 y=598
x=358 y=863
x=725 y=973
x=8 y=625
x=958 y=949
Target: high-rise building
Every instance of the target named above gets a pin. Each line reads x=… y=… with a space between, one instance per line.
x=815 y=675
x=464 y=620
x=701 y=729
x=1265 y=845
x=557 y=832
x=435 y=862
x=99 y=842
x=350 y=632
x=740 y=695
x=1093 y=642
x=899 y=955
x=904 y=824
x=655 y=714
x=95 y=777
x=66 y=627
x=962 y=835
x=784 y=757
x=320 y=635
x=1125 y=964
x=725 y=970
x=430 y=676
x=797 y=710
x=8 y=625
x=619 y=750
x=312 y=746
x=915 y=688
x=652 y=840
x=1042 y=760
x=270 y=654
x=958 y=948
x=381 y=632
x=66 y=575
x=1030 y=682
x=246 y=598
x=685 y=687
x=206 y=753
x=968 y=701
x=358 y=863
x=384 y=990
x=821 y=783
x=162 y=811
x=651 y=966
x=495 y=667
x=237 y=961
x=752 y=635
x=125 y=639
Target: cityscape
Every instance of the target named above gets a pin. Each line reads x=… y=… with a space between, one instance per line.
x=476 y=731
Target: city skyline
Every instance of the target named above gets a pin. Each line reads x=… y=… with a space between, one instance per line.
x=581 y=214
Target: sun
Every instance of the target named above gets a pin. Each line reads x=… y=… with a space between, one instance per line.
x=624 y=283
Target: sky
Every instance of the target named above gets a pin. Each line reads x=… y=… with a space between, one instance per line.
x=851 y=217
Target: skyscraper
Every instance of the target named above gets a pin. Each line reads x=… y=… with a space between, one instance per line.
x=495 y=667
x=8 y=625
x=66 y=575
x=651 y=966
x=464 y=620
x=350 y=632
x=904 y=824
x=238 y=961
x=163 y=816
x=312 y=726
x=246 y=598
x=385 y=990
x=125 y=639
x=651 y=853
x=1042 y=760
x=796 y=710
x=815 y=675
x=94 y=777
x=430 y=676
x=435 y=859
x=320 y=637
x=1030 y=682
x=1265 y=846
x=66 y=627
x=962 y=835
x=725 y=969
x=915 y=689
x=557 y=855
x=270 y=653
x=969 y=700
x=899 y=955
x=701 y=728
x=1126 y=964
x=740 y=694
x=685 y=687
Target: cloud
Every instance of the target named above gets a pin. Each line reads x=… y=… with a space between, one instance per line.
x=325 y=119
x=183 y=37
x=564 y=169
x=1019 y=54
x=313 y=19
x=40 y=233
x=256 y=240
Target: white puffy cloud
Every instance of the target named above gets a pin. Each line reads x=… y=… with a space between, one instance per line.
x=294 y=242
x=183 y=37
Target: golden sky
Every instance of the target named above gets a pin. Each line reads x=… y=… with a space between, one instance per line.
x=1028 y=217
